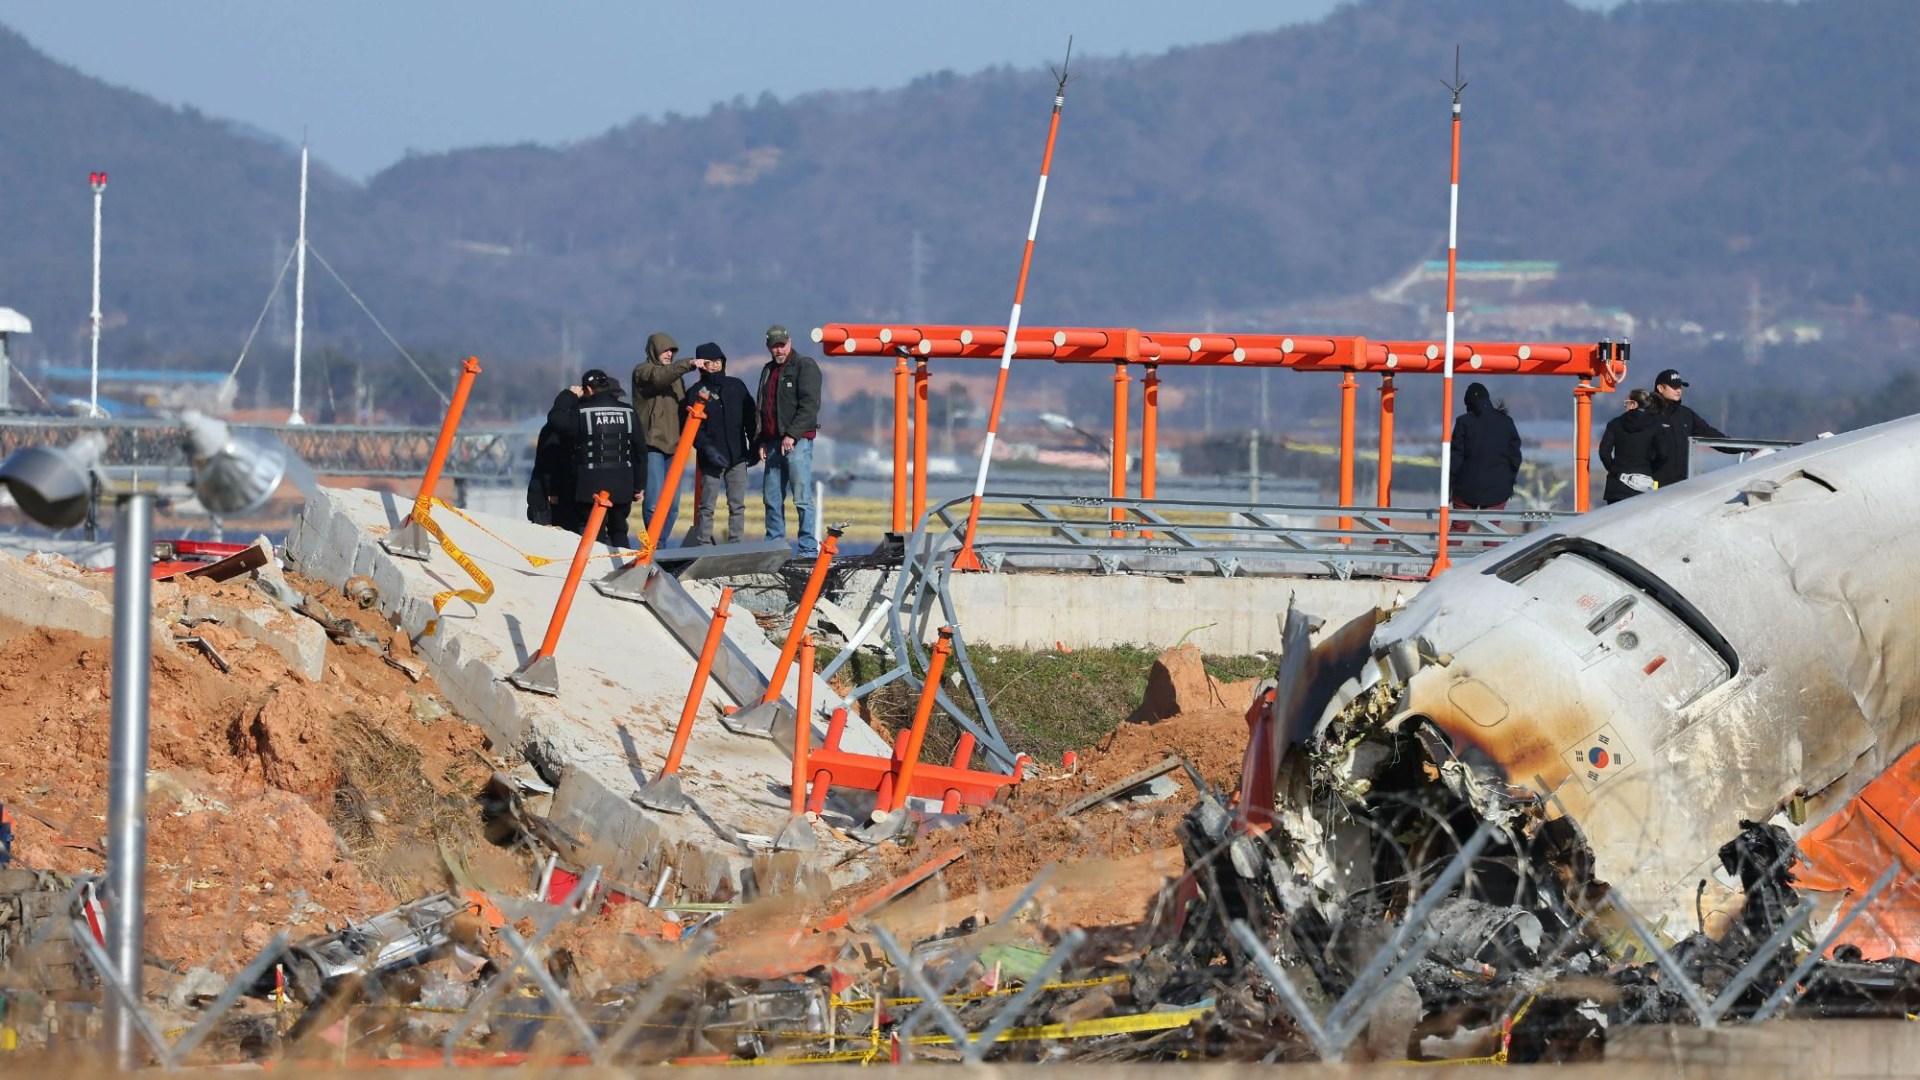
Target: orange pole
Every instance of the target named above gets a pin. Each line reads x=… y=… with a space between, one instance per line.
x=1386 y=439
x=883 y=792
x=1582 y=443
x=920 y=380
x=580 y=555
x=443 y=445
x=823 y=779
x=901 y=523
x=962 y=755
x=1149 y=432
x=715 y=630
x=929 y=688
x=815 y=582
x=802 y=729
x=1119 y=454
x=681 y=451
x=1348 y=392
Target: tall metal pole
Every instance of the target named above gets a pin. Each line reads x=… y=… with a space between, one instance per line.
x=99 y=182
x=1446 y=377
x=127 y=770
x=300 y=290
x=965 y=559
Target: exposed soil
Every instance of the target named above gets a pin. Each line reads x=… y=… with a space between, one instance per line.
x=274 y=802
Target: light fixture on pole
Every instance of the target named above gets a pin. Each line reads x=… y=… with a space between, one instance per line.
x=54 y=487
x=1057 y=422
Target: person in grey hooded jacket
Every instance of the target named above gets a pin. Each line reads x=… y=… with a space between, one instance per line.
x=660 y=399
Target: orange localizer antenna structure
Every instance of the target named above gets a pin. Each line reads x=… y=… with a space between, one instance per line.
x=1446 y=378
x=965 y=559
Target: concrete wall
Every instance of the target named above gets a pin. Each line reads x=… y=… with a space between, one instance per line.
x=1225 y=616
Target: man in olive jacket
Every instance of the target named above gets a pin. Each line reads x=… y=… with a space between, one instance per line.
x=660 y=400
x=789 y=418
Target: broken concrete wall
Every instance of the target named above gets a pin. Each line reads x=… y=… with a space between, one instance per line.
x=623 y=679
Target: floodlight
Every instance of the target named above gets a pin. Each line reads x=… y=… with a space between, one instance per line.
x=231 y=474
x=52 y=485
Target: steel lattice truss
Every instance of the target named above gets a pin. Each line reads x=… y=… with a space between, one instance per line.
x=332 y=450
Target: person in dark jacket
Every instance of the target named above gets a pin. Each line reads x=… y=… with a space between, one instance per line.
x=660 y=401
x=600 y=438
x=552 y=472
x=1486 y=455
x=724 y=447
x=789 y=418
x=1631 y=449
x=1677 y=425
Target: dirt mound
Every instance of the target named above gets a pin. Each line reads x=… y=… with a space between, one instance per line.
x=1010 y=842
x=274 y=802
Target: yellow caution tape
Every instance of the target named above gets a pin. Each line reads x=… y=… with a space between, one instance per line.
x=423 y=516
x=1133 y=1024
x=537 y=561
x=861 y=1005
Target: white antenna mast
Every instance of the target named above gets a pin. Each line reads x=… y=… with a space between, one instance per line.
x=99 y=182
x=300 y=288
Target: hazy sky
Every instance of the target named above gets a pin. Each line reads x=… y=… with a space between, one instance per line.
x=371 y=79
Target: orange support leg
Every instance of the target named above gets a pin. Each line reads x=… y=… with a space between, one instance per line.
x=1348 y=392
x=1386 y=440
x=1582 y=442
x=798 y=833
x=920 y=380
x=922 y=713
x=1119 y=453
x=962 y=756
x=901 y=392
x=1149 y=432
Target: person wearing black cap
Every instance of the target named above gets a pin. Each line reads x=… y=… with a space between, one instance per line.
x=789 y=416
x=723 y=447
x=1678 y=424
x=600 y=437
x=1486 y=455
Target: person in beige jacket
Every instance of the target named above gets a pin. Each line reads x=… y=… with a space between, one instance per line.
x=660 y=400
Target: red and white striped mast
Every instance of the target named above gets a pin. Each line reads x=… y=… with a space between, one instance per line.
x=1446 y=370
x=965 y=559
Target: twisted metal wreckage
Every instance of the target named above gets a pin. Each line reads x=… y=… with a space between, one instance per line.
x=1617 y=724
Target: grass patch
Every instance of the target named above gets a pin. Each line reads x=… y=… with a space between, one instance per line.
x=1046 y=702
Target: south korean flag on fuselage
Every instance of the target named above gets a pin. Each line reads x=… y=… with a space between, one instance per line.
x=1599 y=757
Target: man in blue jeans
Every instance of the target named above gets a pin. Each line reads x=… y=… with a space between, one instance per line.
x=660 y=400
x=789 y=418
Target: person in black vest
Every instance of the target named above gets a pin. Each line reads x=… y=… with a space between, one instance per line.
x=724 y=447
x=1486 y=455
x=1631 y=449
x=553 y=471
x=1678 y=424
x=601 y=438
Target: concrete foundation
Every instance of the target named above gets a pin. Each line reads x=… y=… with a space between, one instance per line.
x=622 y=676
